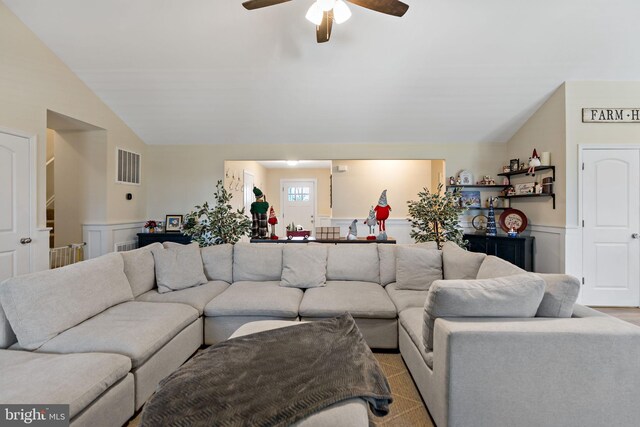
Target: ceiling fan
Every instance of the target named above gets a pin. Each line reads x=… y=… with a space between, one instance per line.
x=324 y=13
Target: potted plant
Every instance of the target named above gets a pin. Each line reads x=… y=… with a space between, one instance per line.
x=436 y=217
x=217 y=224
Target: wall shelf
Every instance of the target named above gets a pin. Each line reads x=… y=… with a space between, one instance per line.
x=524 y=171
x=524 y=196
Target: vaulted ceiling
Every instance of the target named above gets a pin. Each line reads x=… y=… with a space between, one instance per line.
x=449 y=71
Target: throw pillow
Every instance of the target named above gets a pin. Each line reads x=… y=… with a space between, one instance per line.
x=178 y=267
x=139 y=268
x=459 y=263
x=417 y=267
x=560 y=294
x=387 y=255
x=492 y=267
x=304 y=266
x=349 y=262
x=513 y=296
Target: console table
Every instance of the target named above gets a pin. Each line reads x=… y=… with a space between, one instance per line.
x=145 y=239
x=516 y=250
x=334 y=241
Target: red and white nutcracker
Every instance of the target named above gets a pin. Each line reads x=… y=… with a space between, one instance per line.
x=382 y=214
x=273 y=221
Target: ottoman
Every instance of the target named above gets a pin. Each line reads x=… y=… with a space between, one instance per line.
x=352 y=412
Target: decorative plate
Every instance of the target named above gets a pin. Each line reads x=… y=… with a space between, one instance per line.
x=513 y=218
x=479 y=222
x=466 y=178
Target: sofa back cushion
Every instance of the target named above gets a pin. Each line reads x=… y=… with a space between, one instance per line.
x=139 y=268
x=7 y=336
x=492 y=267
x=218 y=262
x=304 y=266
x=417 y=267
x=513 y=296
x=560 y=294
x=178 y=267
x=459 y=263
x=354 y=262
x=387 y=255
x=41 y=305
x=257 y=262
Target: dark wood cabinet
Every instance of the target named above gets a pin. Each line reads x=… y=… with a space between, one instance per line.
x=145 y=239
x=516 y=250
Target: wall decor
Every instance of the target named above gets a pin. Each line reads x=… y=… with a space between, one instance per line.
x=513 y=218
x=611 y=115
x=466 y=178
x=525 y=188
x=514 y=165
x=173 y=223
x=470 y=199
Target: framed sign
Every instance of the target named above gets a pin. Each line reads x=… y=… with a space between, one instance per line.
x=611 y=115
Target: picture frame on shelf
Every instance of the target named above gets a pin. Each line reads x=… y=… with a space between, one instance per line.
x=173 y=223
x=470 y=199
x=514 y=165
x=466 y=178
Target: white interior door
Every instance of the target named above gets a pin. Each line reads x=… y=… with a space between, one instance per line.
x=298 y=204
x=248 y=179
x=15 y=198
x=611 y=214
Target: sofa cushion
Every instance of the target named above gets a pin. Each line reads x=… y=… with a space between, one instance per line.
x=7 y=336
x=256 y=262
x=417 y=267
x=139 y=268
x=354 y=262
x=178 y=267
x=134 y=329
x=304 y=266
x=197 y=297
x=513 y=296
x=41 y=305
x=411 y=320
x=256 y=299
x=459 y=263
x=361 y=299
x=73 y=379
x=218 y=262
x=404 y=299
x=492 y=267
x=387 y=255
x=560 y=294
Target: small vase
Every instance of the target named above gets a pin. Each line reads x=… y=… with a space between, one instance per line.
x=152 y=230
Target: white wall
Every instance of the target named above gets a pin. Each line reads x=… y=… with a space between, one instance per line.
x=182 y=175
x=33 y=81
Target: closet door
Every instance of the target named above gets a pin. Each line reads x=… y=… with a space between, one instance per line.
x=611 y=214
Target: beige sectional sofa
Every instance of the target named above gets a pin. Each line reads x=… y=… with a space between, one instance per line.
x=110 y=334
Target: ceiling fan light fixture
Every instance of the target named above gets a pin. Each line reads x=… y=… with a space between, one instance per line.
x=341 y=12
x=315 y=14
x=326 y=5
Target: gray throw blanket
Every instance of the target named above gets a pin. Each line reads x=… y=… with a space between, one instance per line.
x=272 y=378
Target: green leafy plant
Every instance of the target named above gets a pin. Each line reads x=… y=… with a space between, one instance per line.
x=218 y=224
x=436 y=217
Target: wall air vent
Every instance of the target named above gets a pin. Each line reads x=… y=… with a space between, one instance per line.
x=127 y=167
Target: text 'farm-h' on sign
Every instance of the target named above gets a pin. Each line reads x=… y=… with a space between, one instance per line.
x=611 y=115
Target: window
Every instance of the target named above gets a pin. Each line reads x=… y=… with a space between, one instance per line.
x=298 y=194
x=128 y=167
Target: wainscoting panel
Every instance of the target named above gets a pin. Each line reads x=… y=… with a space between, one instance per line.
x=104 y=238
x=399 y=229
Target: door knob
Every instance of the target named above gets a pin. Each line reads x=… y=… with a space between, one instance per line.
x=25 y=240
x=635 y=235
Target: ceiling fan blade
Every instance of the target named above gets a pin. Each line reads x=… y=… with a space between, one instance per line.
x=257 y=4
x=323 y=31
x=390 y=7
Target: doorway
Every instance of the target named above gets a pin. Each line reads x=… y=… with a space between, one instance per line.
x=611 y=226
x=298 y=204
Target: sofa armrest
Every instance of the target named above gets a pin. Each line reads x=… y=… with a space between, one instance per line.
x=540 y=372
